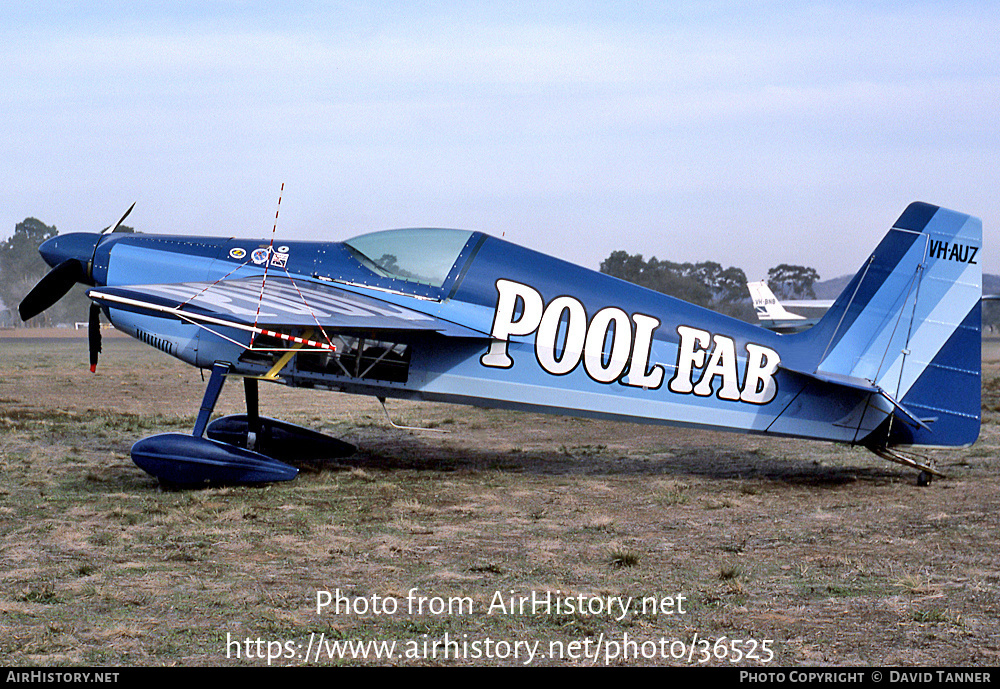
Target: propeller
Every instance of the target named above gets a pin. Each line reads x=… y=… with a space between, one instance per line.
x=94 y=335
x=119 y=223
x=51 y=288
x=72 y=256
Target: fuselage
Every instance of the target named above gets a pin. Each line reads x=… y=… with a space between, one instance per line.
x=544 y=334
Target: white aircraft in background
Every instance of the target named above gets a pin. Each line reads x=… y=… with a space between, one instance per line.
x=773 y=315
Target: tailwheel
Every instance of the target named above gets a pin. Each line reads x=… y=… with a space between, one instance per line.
x=926 y=466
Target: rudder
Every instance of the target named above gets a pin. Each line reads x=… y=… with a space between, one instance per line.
x=910 y=323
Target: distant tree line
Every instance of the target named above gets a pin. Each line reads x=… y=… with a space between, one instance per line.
x=792 y=282
x=21 y=266
x=707 y=283
x=724 y=290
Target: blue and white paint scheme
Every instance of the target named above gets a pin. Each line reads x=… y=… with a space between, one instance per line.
x=460 y=316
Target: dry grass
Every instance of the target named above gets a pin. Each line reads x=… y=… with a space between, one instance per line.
x=832 y=553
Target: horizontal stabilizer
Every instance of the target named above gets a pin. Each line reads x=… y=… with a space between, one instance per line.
x=864 y=385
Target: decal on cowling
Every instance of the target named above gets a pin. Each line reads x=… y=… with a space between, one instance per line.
x=564 y=338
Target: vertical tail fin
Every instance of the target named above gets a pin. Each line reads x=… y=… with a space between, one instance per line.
x=909 y=322
x=769 y=309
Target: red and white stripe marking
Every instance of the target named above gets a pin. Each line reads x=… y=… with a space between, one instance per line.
x=297 y=340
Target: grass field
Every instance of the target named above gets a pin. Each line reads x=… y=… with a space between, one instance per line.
x=681 y=547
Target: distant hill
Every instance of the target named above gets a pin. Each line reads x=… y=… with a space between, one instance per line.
x=831 y=289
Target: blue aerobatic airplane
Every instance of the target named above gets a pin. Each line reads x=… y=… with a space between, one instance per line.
x=460 y=316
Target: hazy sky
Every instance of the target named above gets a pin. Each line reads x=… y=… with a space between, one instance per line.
x=746 y=133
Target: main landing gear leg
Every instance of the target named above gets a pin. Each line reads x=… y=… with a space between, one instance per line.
x=253 y=412
x=194 y=460
x=212 y=392
x=278 y=439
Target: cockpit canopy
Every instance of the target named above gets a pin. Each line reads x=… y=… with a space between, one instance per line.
x=423 y=256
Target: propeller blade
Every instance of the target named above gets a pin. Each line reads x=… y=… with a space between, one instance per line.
x=51 y=288
x=119 y=223
x=94 y=335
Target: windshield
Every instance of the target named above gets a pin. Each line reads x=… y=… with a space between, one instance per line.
x=424 y=256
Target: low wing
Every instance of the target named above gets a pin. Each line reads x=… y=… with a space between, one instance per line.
x=281 y=304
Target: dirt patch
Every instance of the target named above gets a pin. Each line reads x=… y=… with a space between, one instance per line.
x=491 y=536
